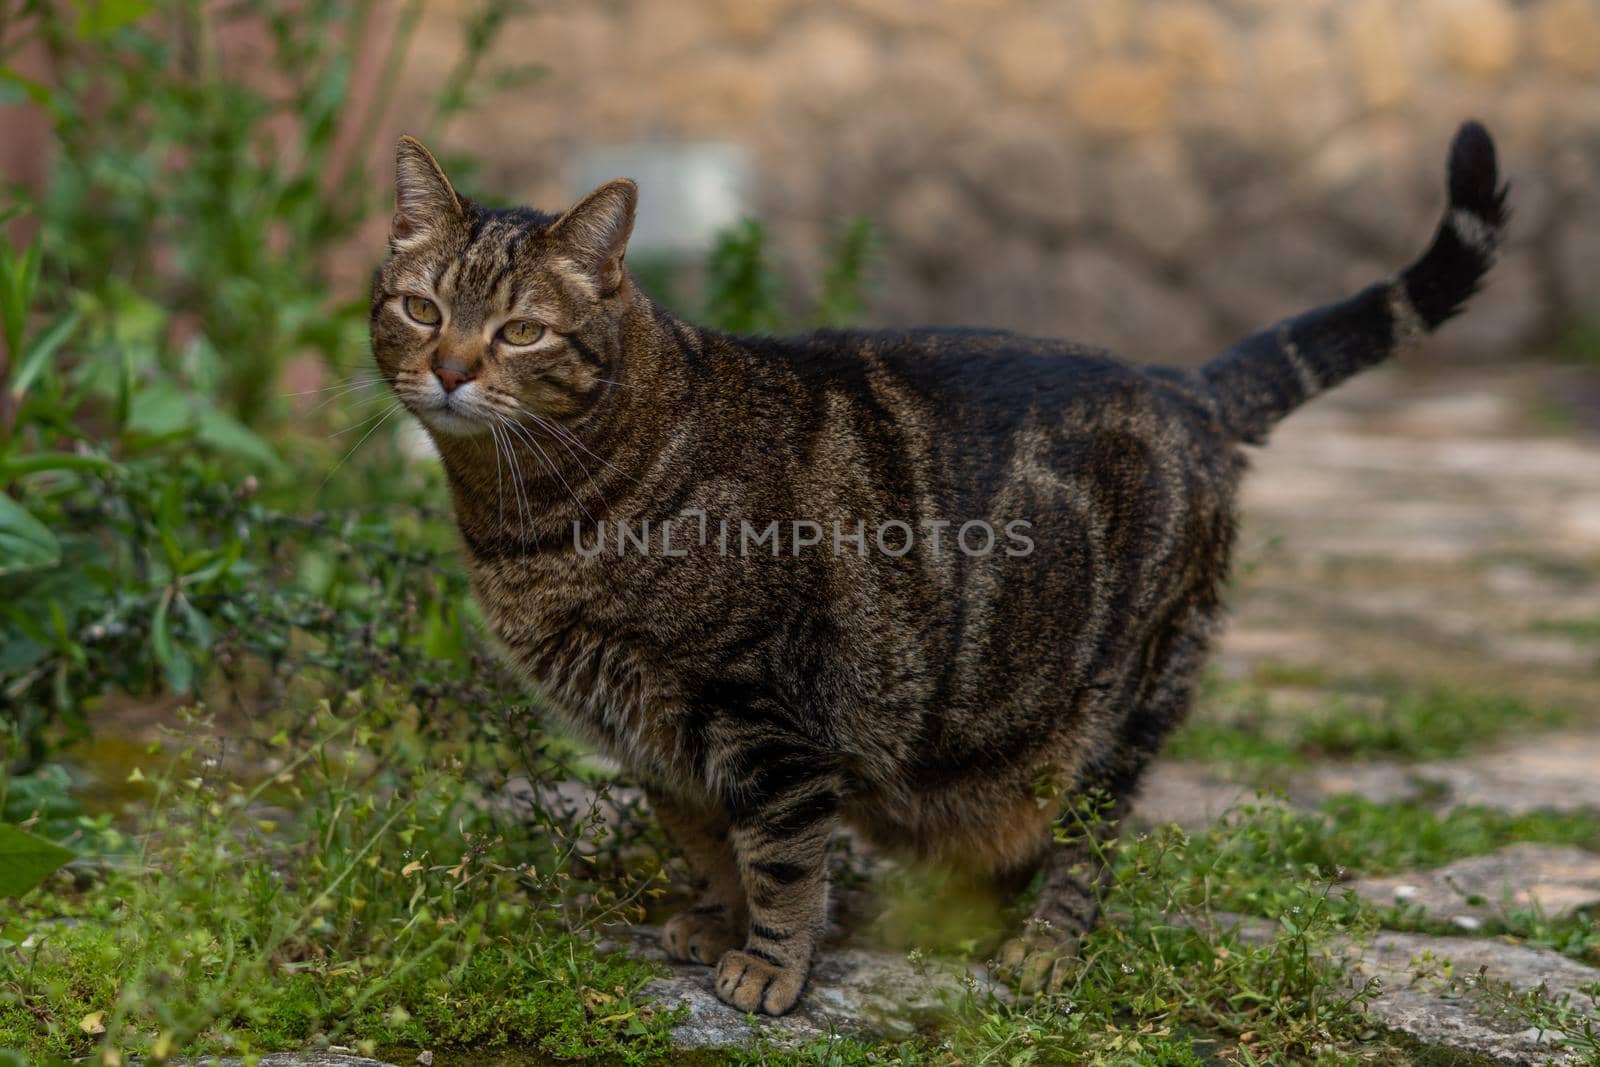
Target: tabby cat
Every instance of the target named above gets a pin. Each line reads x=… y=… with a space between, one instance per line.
x=911 y=581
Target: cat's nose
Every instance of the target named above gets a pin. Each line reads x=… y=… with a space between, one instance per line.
x=452 y=376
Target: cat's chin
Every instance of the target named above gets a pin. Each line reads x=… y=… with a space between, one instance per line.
x=444 y=423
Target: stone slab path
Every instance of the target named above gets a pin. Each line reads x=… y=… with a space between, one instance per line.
x=1425 y=528
x=1558 y=771
x=885 y=995
x=1438 y=1011
x=852 y=990
x=1554 y=881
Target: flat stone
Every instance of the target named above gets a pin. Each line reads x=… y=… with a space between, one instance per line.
x=851 y=991
x=1417 y=998
x=1557 y=880
x=1381 y=783
x=1555 y=772
x=1438 y=989
x=1187 y=795
x=292 y=1059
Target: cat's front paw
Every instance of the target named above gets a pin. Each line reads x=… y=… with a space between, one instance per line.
x=1036 y=964
x=699 y=936
x=751 y=983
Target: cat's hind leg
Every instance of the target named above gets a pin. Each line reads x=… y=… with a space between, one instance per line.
x=1077 y=866
x=719 y=918
x=1076 y=869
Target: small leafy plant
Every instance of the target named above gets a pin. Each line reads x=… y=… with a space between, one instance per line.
x=358 y=887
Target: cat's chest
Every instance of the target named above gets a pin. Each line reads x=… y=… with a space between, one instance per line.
x=607 y=675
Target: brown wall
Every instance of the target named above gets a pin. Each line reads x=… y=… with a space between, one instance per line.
x=1153 y=174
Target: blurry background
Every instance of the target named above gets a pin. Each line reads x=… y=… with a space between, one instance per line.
x=1154 y=175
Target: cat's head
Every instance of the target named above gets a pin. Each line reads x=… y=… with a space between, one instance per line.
x=480 y=314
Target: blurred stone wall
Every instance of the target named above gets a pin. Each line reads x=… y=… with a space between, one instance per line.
x=1155 y=175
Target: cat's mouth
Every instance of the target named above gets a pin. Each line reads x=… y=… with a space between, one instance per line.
x=458 y=413
x=449 y=420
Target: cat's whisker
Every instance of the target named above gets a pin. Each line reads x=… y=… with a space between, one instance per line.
x=576 y=459
x=518 y=487
x=524 y=504
x=511 y=408
x=598 y=491
x=356 y=426
x=499 y=480
x=520 y=483
x=524 y=434
x=396 y=406
x=338 y=390
x=340 y=396
x=550 y=464
x=346 y=384
x=560 y=431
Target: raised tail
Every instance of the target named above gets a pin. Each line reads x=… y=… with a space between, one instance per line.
x=1268 y=374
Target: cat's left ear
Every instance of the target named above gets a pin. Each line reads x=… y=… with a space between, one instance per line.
x=424 y=200
x=596 y=231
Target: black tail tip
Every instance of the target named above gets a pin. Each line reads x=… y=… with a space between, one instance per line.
x=1475 y=174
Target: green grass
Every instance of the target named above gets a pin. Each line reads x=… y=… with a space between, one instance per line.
x=365 y=895
x=1382 y=838
x=1580 y=343
x=1239 y=725
x=1580 y=629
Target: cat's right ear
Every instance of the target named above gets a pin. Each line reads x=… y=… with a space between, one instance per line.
x=424 y=200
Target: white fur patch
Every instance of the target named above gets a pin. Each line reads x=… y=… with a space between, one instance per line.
x=1409 y=329
x=1475 y=233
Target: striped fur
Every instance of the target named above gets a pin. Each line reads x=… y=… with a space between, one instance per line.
x=927 y=698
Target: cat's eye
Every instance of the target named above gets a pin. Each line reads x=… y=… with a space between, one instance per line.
x=521 y=332
x=422 y=310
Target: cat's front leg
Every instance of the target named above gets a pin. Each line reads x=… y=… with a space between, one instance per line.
x=782 y=820
x=718 y=919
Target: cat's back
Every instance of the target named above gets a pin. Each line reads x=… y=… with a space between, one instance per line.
x=967 y=385
x=935 y=422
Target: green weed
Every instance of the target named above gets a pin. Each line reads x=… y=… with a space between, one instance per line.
x=361 y=888
x=1238 y=724
x=1579 y=629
